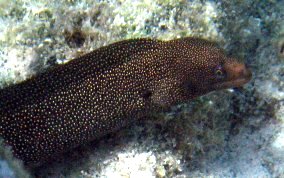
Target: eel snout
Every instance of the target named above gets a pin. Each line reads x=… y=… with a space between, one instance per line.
x=238 y=74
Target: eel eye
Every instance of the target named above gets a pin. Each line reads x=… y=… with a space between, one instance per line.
x=219 y=72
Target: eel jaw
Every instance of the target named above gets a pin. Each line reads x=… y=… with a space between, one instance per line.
x=237 y=75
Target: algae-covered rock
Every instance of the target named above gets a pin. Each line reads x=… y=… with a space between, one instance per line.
x=219 y=135
x=10 y=167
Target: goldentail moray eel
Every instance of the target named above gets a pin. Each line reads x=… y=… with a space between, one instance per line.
x=107 y=89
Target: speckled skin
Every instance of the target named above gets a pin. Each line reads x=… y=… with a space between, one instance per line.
x=107 y=89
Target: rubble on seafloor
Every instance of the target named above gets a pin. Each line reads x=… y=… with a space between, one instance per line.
x=231 y=133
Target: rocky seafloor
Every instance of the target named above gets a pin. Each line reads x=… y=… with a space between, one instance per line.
x=230 y=133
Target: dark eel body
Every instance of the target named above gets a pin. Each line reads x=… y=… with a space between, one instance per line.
x=107 y=89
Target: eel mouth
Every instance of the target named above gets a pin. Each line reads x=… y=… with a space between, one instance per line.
x=237 y=75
